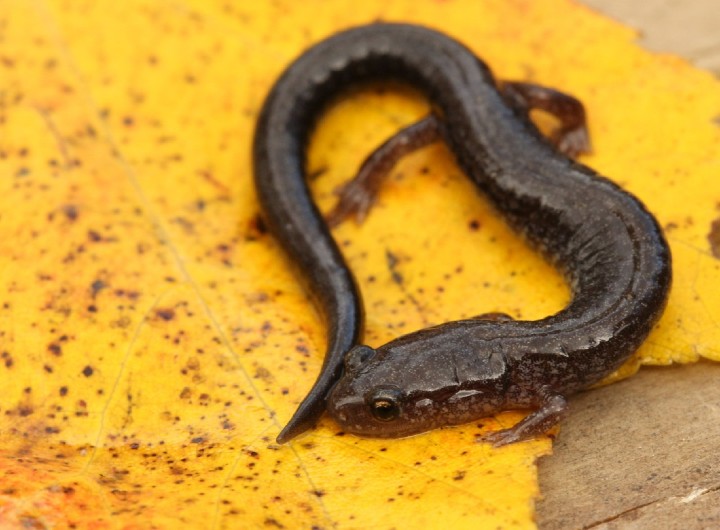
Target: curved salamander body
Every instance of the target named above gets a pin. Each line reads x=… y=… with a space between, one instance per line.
x=610 y=248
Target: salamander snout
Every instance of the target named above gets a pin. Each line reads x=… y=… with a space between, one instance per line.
x=406 y=387
x=365 y=404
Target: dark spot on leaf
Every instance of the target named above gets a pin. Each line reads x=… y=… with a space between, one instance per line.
x=97 y=286
x=167 y=313
x=7 y=359
x=70 y=211
x=474 y=225
x=63 y=390
x=263 y=373
x=55 y=349
x=198 y=440
x=392 y=261
x=184 y=223
x=88 y=371
x=714 y=238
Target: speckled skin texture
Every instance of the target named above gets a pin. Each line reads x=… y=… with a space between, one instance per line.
x=611 y=249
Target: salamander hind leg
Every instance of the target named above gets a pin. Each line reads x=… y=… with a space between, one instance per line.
x=553 y=408
x=571 y=137
x=357 y=196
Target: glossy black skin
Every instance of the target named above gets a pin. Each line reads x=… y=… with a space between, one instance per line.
x=608 y=245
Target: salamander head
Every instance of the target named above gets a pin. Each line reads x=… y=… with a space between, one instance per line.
x=388 y=394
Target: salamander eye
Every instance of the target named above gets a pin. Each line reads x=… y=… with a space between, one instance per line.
x=385 y=404
x=357 y=356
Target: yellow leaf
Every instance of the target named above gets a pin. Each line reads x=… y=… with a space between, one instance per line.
x=154 y=341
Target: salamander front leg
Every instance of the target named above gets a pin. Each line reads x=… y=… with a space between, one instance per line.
x=553 y=408
x=358 y=195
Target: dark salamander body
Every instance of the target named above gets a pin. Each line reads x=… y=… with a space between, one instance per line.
x=610 y=248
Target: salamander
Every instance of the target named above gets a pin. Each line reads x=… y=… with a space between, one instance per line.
x=610 y=248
